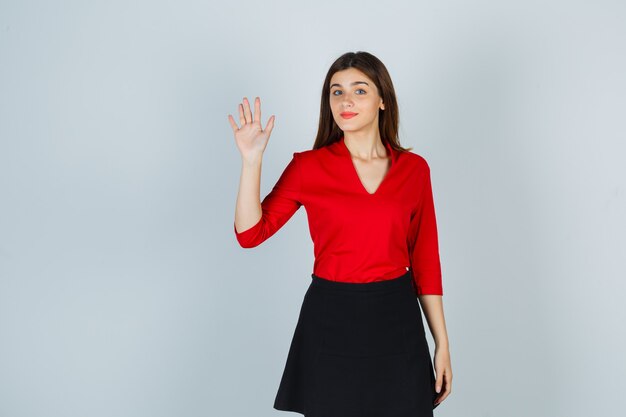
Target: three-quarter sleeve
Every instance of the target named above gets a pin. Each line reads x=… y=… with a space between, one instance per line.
x=277 y=207
x=423 y=241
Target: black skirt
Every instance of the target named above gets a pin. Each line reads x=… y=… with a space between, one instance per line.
x=359 y=350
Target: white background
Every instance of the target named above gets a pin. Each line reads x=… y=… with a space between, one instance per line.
x=123 y=291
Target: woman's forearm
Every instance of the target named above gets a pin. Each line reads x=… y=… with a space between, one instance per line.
x=433 y=310
x=248 y=207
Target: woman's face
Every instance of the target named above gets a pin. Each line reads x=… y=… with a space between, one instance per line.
x=351 y=91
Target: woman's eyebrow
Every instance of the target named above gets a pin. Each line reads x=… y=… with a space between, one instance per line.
x=354 y=83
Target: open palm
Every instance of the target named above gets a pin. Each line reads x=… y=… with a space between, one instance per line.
x=250 y=138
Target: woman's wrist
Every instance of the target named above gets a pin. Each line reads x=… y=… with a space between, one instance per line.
x=442 y=344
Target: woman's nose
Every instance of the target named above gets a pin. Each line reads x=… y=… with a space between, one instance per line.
x=347 y=102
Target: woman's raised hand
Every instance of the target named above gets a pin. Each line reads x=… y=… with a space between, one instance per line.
x=250 y=138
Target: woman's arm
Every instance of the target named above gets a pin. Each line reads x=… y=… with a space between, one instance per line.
x=426 y=266
x=433 y=310
x=276 y=208
x=248 y=206
x=255 y=220
x=251 y=140
x=432 y=305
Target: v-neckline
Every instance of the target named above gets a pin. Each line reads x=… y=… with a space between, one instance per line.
x=391 y=155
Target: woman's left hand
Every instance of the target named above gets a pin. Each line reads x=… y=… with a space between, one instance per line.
x=443 y=371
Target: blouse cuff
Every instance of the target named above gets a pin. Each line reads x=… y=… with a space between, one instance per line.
x=246 y=237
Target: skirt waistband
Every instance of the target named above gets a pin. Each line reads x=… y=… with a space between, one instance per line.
x=402 y=281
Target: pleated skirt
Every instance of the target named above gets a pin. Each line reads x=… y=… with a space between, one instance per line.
x=359 y=350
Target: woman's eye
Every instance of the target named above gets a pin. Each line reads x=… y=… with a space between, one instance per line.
x=339 y=91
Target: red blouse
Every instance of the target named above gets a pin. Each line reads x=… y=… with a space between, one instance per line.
x=358 y=236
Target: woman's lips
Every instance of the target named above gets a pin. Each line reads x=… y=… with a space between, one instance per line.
x=348 y=115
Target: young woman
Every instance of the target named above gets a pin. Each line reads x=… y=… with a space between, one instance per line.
x=359 y=348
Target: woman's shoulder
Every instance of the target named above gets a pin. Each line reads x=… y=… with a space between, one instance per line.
x=319 y=154
x=414 y=159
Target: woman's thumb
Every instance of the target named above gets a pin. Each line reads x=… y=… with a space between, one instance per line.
x=270 y=125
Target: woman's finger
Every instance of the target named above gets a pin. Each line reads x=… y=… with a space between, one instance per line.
x=242 y=119
x=270 y=125
x=448 y=377
x=246 y=110
x=447 y=388
x=231 y=120
x=257 y=110
x=439 y=380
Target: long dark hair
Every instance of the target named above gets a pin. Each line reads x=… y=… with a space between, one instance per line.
x=328 y=132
